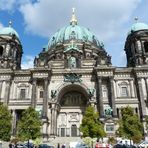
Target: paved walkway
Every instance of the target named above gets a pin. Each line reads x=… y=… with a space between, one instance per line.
x=5 y=144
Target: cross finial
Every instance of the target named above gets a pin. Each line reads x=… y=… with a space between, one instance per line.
x=10 y=23
x=136 y=19
x=73 y=20
x=73 y=10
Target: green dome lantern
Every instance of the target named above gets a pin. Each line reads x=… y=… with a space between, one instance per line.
x=9 y=31
x=137 y=26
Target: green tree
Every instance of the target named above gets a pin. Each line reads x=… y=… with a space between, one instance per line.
x=130 y=126
x=5 y=123
x=29 y=125
x=91 y=126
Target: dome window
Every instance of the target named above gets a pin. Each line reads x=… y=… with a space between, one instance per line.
x=146 y=47
x=73 y=35
x=72 y=62
x=1 y=50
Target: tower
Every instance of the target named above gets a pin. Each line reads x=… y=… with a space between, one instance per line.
x=136 y=45
x=10 y=48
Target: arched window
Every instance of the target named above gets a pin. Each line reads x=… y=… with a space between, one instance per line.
x=124 y=91
x=146 y=47
x=104 y=91
x=72 y=62
x=22 y=93
x=1 y=50
x=74 y=131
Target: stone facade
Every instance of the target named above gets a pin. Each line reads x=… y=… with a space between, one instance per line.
x=70 y=75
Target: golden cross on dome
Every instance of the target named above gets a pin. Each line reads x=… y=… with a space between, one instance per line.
x=73 y=20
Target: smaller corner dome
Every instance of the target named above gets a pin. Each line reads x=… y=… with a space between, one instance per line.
x=8 y=31
x=138 y=26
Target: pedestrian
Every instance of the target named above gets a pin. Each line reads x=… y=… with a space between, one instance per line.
x=63 y=146
x=10 y=145
x=58 y=145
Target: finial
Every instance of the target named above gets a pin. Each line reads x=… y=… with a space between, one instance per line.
x=73 y=20
x=136 y=19
x=10 y=23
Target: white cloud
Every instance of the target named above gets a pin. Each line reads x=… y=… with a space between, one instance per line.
x=105 y=17
x=11 y=5
x=27 y=62
x=7 y=4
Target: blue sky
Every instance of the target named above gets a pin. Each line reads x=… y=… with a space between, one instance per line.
x=36 y=20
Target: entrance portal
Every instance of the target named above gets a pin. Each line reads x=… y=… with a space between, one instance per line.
x=73 y=104
x=73 y=131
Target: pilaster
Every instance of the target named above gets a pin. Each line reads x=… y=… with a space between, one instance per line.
x=14 y=122
x=132 y=88
x=7 y=91
x=146 y=83
x=100 y=97
x=1 y=83
x=45 y=99
x=141 y=97
x=112 y=94
x=33 y=98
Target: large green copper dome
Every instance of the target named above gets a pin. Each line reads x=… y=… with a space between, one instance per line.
x=72 y=32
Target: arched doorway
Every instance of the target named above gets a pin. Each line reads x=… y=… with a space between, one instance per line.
x=73 y=103
x=74 y=131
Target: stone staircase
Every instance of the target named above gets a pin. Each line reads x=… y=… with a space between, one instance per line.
x=62 y=140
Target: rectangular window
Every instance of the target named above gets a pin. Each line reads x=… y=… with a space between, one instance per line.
x=146 y=47
x=23 y=94
x=109 y=128
x=104 y=93
x=41 y=94
x=124 y=91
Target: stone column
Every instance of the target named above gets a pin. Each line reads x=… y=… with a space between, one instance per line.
x=115 y=88
x=45 y=99
x=146 y=83
x=100 y=98
x=112 y=94
x=52 y=119
x=45 y=109
x=13 y=122
x=132 y=88
x=55 y=122
x=7 y=91
x=33 y=97
x=141 y=97
x=1 y=83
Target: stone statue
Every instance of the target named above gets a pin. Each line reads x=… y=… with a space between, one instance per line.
x=53 y=93
x=108 y=111
x=91 y=92
x=72 y=62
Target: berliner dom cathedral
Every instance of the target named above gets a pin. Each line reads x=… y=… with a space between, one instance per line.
x=72 y=72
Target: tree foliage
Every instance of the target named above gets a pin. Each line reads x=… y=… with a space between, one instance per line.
x=29 y=125
x=5 y=123
x=130 y=125
x=91 y=126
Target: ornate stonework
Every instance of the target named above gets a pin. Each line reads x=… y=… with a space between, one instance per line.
x=73 y=72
